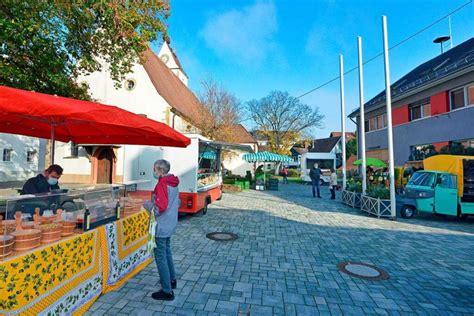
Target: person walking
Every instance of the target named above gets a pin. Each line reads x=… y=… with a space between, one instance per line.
x=333 y=184
x=315 y=175
x=284 y=172
x=164 y=205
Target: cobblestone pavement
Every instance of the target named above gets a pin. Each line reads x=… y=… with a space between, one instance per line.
x=285 y=262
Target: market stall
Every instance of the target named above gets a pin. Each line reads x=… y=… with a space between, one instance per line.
x=264 y=156
x=60 y=251
x=49 y=268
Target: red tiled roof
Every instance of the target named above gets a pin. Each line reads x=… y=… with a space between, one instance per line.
x=172 y=89
x=241 y=135
x=349 y=135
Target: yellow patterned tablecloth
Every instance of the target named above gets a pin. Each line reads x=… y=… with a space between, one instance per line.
x=126 y=249
x=67 y=277
x=58 y=279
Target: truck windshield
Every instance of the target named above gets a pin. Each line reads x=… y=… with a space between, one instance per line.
x=423 y=179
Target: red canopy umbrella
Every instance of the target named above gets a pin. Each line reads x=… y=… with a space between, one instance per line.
x=83 y=122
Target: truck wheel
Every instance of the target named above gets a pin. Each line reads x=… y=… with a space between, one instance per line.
x=407 y=211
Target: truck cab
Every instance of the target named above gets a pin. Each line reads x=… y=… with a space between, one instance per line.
x=440 y=191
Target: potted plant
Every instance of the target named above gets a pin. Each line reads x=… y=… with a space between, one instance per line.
x=377 y=201
x=351 y=196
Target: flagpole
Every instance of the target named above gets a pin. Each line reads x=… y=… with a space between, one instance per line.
x=388 y=98
x=362 y=116
x=343 y=121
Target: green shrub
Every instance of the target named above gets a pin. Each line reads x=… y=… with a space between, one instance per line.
x=354 y=187
x=379 y=193
x=228 y=180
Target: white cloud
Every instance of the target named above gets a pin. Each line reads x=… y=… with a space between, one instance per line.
x=245 y=34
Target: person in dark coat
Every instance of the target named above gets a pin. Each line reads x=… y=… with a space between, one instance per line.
x=315 y=175
x=44 y=182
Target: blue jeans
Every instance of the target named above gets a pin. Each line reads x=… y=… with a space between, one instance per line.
x=164 y=262
x=315 y=184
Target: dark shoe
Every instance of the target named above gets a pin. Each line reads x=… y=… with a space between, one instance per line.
x=173 y=284
x=162 y=296
x=320 y=197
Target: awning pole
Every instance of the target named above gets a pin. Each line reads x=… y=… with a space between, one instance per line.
x=52 y=144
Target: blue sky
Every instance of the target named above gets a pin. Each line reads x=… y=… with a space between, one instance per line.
x=254 y=47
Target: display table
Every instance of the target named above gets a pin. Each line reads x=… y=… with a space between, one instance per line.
x=68 y=276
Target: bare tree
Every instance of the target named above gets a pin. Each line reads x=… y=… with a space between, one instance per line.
x=224 y=111
x=283 y=119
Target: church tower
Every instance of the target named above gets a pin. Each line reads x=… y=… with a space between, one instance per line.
x=168 y=56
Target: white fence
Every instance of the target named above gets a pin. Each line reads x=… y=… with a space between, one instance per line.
x=377 y=207
x=352 y=199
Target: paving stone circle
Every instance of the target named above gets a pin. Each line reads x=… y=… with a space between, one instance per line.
x=363 y=270
x=222 y=236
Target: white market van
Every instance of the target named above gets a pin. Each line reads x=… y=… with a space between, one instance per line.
x=326 y=161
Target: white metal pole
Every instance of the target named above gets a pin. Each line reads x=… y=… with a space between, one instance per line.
x=362 y=117
x=343 y=121
x=389 y=119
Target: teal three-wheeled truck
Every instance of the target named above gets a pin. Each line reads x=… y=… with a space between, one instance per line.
x=446 y=187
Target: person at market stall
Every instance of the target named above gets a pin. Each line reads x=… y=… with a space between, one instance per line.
x=315 y=175
x=44 y=182
x=333 y=184
x=164 y=205
x=284 y=172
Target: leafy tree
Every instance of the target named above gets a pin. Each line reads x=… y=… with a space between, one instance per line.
x=283 y=119
x=223 y=112
x=45 y=45
x=351 y=148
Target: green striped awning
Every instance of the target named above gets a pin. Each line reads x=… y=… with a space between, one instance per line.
x=266 y=156
x=211 y=155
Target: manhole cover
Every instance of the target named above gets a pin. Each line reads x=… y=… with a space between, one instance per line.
x=222 y=236
x=362 y=270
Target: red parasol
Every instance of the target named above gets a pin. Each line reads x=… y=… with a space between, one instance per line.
x=83 y=122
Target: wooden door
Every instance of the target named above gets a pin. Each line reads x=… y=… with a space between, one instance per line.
x=105 y=166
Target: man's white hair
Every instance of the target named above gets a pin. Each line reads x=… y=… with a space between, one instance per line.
x=163 y=165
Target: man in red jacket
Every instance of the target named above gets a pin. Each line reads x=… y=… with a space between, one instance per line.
x=164 y=204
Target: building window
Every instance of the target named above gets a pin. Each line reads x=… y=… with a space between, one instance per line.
x=420 y=110
x=373 y=124
x=7 y=154
x=460 y=147
x=376 y=122
x=31 y=156
x=421 y=152
x=74 y=149
x=462 y=96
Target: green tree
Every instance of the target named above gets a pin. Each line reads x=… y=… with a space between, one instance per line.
x=45 y=45
x=351 y=148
